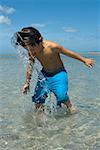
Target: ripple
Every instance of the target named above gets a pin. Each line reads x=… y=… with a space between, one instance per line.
x=22 y=129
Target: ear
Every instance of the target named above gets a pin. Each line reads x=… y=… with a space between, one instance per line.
x=40 y=38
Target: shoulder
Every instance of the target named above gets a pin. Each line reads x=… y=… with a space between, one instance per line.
x=53 y=45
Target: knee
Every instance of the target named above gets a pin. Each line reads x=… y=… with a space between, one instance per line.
x=62 y=97
x=40 y=99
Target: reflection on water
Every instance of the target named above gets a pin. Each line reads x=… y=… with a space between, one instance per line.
x=22 y=128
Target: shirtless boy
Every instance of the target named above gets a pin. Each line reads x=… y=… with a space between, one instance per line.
x=48 y=54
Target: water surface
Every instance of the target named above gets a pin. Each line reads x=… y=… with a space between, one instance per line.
x=21 y=128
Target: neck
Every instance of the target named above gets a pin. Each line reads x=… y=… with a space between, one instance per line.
x=42 y=46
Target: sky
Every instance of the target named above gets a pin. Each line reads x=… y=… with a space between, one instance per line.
x=73 y=24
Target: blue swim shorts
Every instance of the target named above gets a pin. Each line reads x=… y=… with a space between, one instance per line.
x=51 y=82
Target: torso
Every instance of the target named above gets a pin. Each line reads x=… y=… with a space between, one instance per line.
x=49 y=58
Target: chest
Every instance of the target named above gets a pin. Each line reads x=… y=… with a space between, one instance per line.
x=47 y=55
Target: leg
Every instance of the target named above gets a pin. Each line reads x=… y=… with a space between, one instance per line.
x=71 y=108
x=40 y=94
x=39 y=106
x=63 y=98
x=60 y=88
x=68 y=103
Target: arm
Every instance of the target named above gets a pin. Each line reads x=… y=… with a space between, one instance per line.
x=28 y=75
x=87 y=61
x=29 y=70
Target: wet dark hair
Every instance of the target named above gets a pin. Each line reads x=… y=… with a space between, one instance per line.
x=27 y=35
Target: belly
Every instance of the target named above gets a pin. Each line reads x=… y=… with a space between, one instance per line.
x=51 y=65
x=51 y=62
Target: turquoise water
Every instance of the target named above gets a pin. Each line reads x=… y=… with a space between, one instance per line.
x=21 y=128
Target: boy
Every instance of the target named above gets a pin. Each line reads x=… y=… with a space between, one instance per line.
x=48 y=54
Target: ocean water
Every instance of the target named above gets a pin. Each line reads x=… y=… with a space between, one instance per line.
x=22 y=128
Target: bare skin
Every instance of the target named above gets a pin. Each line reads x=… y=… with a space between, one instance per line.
x=48 y=53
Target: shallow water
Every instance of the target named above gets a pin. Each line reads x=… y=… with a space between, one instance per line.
x=21 y=128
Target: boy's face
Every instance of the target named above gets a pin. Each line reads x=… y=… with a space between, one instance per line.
x=34 y=49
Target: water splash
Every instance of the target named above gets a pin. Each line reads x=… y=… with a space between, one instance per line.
x=49 y=105
x=38 y=75
x=22 y=55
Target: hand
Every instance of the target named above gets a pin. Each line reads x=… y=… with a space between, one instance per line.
x=25 y=88
x=89 y=62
